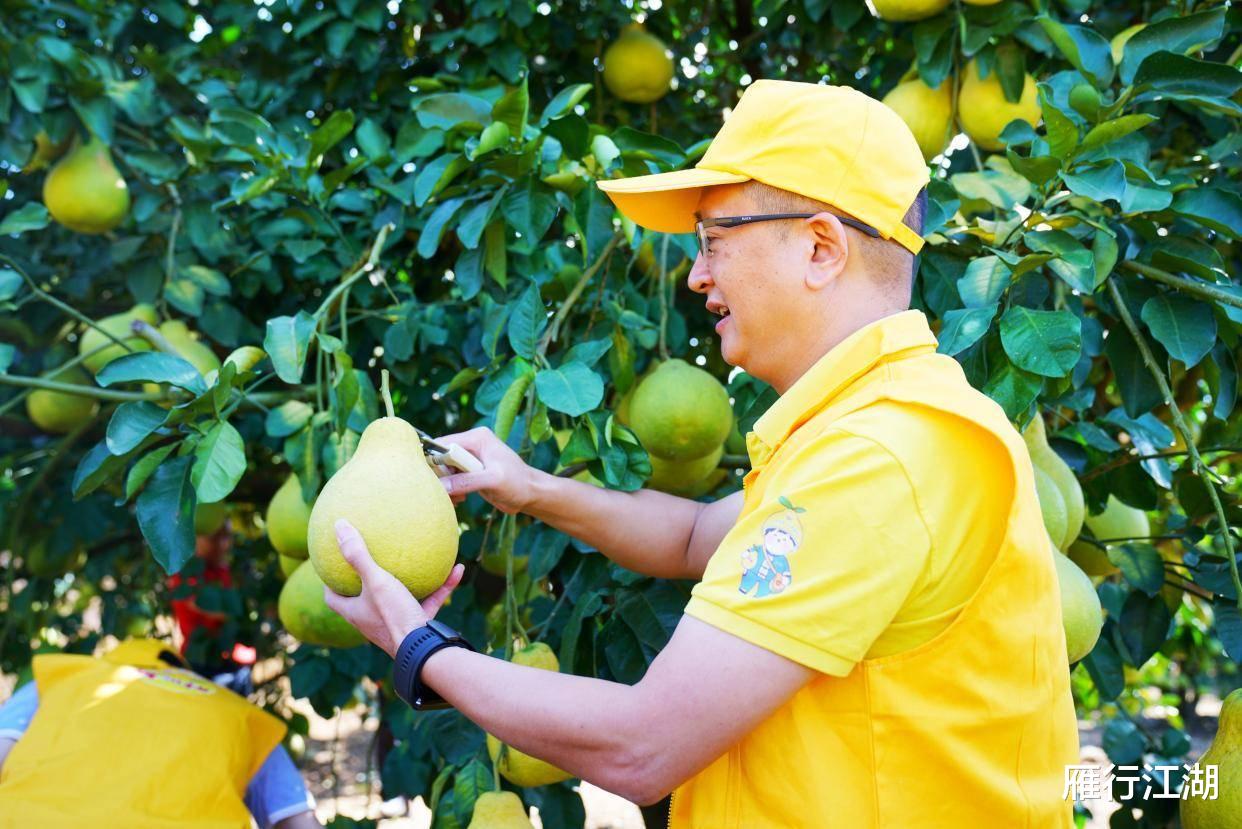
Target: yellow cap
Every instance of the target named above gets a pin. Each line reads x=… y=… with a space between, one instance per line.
x=832 y=144
x=143 y=653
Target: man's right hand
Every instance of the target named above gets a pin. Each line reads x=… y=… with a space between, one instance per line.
x=505 y=480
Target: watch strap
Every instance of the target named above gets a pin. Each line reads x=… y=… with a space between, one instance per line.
x=418 y=645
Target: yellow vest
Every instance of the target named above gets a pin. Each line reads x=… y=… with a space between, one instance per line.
x=133 y=746
x=972 y=728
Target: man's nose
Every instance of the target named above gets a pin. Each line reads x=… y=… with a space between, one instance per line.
x=700 y=278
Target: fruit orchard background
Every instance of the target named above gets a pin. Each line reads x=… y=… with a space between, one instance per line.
x=327 y=180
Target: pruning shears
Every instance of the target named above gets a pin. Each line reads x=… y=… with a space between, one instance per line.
x=445 y=460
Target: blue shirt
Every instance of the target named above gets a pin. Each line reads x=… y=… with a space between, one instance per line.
x=274 y=793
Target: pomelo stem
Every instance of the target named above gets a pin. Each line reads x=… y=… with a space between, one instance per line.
x=384 y=391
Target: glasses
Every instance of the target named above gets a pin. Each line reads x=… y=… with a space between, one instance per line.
x=701 y=226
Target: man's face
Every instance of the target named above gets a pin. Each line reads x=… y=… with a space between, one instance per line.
x=754 y=272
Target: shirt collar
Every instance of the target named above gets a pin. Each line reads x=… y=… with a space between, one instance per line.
x=848 y=360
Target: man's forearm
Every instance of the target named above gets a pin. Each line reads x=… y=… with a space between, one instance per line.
x=646 y=531
x=585 y=726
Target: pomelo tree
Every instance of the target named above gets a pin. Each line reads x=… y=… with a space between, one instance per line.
x=353 y=187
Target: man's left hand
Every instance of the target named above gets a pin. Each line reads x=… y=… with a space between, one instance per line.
x=384 y=611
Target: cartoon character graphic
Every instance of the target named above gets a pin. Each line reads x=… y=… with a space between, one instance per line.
x=765 y=566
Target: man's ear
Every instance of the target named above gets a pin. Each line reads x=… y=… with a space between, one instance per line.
x=830 y=253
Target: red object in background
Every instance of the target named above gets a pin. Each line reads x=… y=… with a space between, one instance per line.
x=189 y=616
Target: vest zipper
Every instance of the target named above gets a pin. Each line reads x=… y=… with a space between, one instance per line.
x=671 y=797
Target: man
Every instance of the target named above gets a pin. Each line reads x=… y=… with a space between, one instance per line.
x=134 y=740
x=875 y=638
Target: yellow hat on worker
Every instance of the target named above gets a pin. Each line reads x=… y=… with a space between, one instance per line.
x=144 y=653
x=832 y=144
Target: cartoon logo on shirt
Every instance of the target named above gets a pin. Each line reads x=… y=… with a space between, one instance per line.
x=765 y=566
x=177 y=679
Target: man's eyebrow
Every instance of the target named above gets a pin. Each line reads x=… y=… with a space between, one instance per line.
x=698 y=217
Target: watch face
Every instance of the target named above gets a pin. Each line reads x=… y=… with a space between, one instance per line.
x=442 y=629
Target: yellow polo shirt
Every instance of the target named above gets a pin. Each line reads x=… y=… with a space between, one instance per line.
x=889 y=528
x=891 y=539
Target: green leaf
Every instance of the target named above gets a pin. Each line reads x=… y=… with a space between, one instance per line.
x=1185 y=327
x=7 y=354
x=1085 y=49
x=1141 y=565
x=493 y=137
x=963 y=327
x=526 y=323
x=1144 y=624
x=529 y=210
x=513 y=109
x=1046 y=343
x=1139 y=392
x=30 y=216
x=984 y=282
x=10 y=283
x=563 y=102
x=287 y=343
x=186 y=296
x=451 y=110
x=1073 y=263
x=142 y=469
x=152 y=367
x=589 y=352
x=131 y=423
x=95 y=468
x=1061 y=130
x=429 y=239
x=219 y=463
x=436 y=174
x=1100 y=183
x=469 y=783
x=165 y=512
x=330 y=133
x=1213 y=207
x=644 y=145
x=573 y=389
x=1123 y=742
x=1165 y=73
x=1182 y=33
x=1229 y=628
x=1110 y=131
x=1106 y=670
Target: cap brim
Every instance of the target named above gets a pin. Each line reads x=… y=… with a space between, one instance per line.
x=665 y=202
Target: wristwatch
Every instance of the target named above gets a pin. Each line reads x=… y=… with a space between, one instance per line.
x=418 y=645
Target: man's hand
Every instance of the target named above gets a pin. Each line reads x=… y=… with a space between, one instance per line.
x=504 y=481
x=384 y=611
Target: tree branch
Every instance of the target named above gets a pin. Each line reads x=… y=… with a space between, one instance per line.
x=1201 y=469
x=1202 y=290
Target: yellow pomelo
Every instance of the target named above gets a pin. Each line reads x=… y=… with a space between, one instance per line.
x=59 y=412
x=1081 y=614
x=1052 y=505
x=308 y=618
x=119 y=326
x=389 y=493
x=209 y=518
x=499 y=810
x=908 y=9
x=288 y=518
x=1225 y=752
x=983 y=111
x=85 y=191
x=682 y=477
x=288 y=564
x=680 y=412
x=713 y=480
x=1119 y=41
x=1119 y=522
x=637 y=66
x=189 y=347
x=927 y=112
x=518 y=768
x=735 y=443
x=1046 y=458
x=1091 y=559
